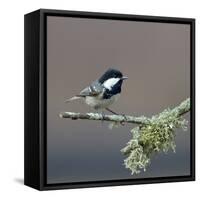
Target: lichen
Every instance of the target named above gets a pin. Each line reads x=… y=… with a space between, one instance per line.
x=156 y=136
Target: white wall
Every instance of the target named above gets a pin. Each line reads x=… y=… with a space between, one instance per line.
x=11 y=89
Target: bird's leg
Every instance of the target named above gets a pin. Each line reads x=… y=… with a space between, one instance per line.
x=108 y=109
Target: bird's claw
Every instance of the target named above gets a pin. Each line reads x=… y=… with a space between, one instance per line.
x=125 y=119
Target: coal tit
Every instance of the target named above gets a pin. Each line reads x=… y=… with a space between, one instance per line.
x=103 y=92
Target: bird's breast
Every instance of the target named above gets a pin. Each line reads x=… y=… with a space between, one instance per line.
x=99 y=103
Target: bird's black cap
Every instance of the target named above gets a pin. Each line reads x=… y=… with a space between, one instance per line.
x=110 y=73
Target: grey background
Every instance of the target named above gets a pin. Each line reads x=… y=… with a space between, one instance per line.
x=155 y=57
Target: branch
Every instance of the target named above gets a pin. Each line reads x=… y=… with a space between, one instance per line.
x=183 y=108
x=152 y=135
x=100 y=117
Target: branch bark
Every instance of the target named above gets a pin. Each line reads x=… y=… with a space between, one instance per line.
x=181 y=109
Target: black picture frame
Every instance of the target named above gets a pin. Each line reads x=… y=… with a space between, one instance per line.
x=35 y=86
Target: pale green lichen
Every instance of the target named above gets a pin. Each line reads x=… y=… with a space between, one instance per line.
x=156 y=136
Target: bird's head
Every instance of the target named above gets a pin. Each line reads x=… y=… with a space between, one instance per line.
x=112 y=78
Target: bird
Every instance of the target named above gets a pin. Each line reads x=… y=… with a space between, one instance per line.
x=103 y=92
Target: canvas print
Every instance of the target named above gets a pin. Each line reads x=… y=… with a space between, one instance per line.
x=118 y=100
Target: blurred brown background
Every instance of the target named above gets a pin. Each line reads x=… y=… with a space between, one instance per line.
x=155 y=57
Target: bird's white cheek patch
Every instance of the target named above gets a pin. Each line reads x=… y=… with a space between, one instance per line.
x=110 y=83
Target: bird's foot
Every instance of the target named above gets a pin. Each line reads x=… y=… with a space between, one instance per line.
x=125 y=119
x=122 y=122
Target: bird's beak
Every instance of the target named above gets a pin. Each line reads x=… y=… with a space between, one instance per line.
x=124 y=77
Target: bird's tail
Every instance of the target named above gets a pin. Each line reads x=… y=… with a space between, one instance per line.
x=72 y=99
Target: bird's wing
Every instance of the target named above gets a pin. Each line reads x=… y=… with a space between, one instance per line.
x=93 y=90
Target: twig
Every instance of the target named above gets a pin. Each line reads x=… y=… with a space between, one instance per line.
x=181 y=109
x=100 y=117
